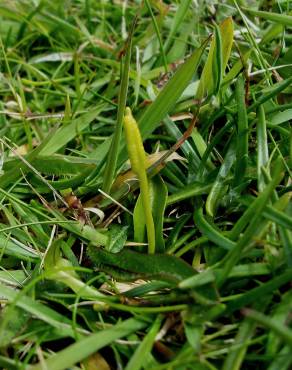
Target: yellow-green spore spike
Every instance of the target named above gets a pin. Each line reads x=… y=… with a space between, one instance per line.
x=138 y=163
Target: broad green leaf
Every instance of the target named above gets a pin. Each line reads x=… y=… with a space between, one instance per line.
x=283 y=359
x=194 y=333
x=12 y=278
x=239 y=271
x=13 y=173
x=281 y=315
x=139 y=221
x=12 y=247
x=272 y=33
x=158 y=196
x=189 y=191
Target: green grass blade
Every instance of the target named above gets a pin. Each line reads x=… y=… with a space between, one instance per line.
x=217 y=60
x=183 y=7
x=238 y=349
x=283 y=19
x=158 y=34
x=234 y=255
x=252 y=295
x=112 y=158
x=169 y=95
x=281 y=330
x=262 y=147
x=137 y=361
x=273 y=92
x=80 y=350
x=37 y=309
x=219 y=187
x=211 y=232
x=242 y=133
x=66 y=133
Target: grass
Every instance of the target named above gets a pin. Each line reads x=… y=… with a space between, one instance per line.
x=210 y=88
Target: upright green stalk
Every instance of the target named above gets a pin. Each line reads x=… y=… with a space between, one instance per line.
x=114 y=148
x=138 y=162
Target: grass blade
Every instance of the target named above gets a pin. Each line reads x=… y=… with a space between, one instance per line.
x=137 y=361
x=262 y=147
x=242 y=133
x=85 y=347
x=283 y=19
x=112 y=158
x=234 y=255
x=281 y=330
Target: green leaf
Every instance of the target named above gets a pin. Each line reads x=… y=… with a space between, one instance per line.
x=234 y=255
x=217 y=60
x=132 y=265
x=281 y=117
x=264 y=289
x=281 y=330
x=158 y=197
x=283 y=19
x=211 y=232
x=137 y=361
x=42 y=312
x=194 y=334
x=117 y=238
x=219 y=187
x=170 y=94
x=262 y=147
x=163 y=104
x=59 y=165
x=112 y=157
x=242 y=133
x=178 y=18
x=67 y=133
x=17 y=319
x=139 y=221
x=80 y=350
x=238 y=349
